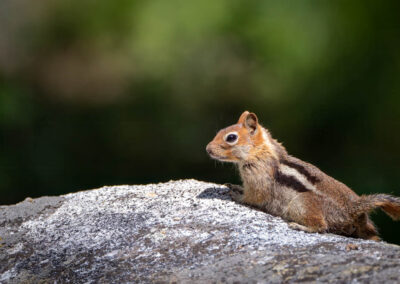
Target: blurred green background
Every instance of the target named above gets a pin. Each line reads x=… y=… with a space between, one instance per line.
x=100 y=92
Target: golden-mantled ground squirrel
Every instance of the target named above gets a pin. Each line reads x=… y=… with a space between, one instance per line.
x=285 y=186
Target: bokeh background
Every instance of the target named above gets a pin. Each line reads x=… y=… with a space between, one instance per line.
x=101 y=92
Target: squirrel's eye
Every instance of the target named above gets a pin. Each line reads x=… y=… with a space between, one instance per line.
x=231 y=138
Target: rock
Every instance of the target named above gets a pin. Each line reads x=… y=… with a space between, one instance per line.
x=182 y=231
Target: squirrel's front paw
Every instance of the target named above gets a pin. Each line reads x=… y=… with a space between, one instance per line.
x=236 y=196
x=234 y=187
x=236 y=191
x=229 y=185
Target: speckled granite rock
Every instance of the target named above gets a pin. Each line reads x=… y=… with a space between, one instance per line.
x=183 y=231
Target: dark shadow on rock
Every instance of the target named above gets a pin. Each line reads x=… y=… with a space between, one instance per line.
x=215 y=192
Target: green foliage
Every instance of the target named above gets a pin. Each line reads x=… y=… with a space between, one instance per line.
x=112 y=92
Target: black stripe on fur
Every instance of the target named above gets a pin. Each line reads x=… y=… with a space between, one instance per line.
x=301 y=169
x=290 y=181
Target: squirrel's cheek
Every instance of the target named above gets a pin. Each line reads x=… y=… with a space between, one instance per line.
x=241 y=152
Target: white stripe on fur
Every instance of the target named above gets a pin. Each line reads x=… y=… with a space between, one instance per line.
x=294 y=173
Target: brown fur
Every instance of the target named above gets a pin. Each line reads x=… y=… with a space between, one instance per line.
x=297 y=191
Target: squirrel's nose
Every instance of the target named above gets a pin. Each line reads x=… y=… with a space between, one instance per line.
x=208 y=149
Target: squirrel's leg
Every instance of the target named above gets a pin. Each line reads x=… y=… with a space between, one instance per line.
x=366 y=228
x=299 y=227
x=312 y=220
x=313 y=226
x=236 y=191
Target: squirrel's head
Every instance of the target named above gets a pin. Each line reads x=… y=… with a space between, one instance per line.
x=239 y=141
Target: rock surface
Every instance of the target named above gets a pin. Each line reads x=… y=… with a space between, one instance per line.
x=183 y=231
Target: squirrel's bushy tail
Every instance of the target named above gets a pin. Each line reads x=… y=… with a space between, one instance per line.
x=389 y=204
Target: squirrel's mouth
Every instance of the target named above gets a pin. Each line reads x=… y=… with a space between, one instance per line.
x=216 y=157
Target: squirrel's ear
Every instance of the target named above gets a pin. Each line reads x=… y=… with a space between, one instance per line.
x=243 y=117
x=251 y=122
